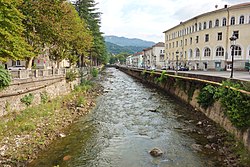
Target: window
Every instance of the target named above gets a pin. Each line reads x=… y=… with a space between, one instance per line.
x=196 y=27
x=206 y=37
x=169 y=45
x=200 y=28
x=224 y=22
x=220 y=51
x=249 y=20
x=236 y=33
x=237 y=51
x=177 y=44
x=197 y=39
x=186 y=41
x=207 y=52
x=210 y=24
x=166 y=46
x=197 y=52
x=219 y=36
x=18 y=62
x=232 y=20
x=173 y=44
x=241 y=20
x=181 y=42
x=191 y=40
x=216 y=22
x=204 y=25
x=190 y=53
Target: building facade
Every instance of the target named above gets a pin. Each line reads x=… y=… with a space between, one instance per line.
x=202 y=42
x=154 y=56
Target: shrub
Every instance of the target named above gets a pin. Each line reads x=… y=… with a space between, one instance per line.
x=94 y=72
x=236 y=104
x=44 y=97
x=5 y=78
x=27 y=99
x=206 y=96
x=163 y=77
x=71 y=75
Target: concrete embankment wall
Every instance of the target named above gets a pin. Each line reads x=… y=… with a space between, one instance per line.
x=187 y=90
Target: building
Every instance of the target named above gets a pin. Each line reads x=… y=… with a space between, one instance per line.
x=153 y=57
x=202 y=42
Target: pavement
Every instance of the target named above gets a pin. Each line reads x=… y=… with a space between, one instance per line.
x=240 y=75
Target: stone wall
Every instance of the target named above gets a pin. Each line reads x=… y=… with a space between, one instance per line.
x=188 y=90
x=54 y=86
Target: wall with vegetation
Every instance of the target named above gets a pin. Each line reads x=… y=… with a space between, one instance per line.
x=28 y=92
x=226 y=103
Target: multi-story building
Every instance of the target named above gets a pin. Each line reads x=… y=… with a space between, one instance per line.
x=154 y=56
x=203 y=43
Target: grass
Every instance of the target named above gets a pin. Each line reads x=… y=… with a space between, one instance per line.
x=25 y=132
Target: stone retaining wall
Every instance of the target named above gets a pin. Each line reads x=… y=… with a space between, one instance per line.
x=188 y=91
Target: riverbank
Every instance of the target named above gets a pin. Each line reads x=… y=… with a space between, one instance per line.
x=25 y=133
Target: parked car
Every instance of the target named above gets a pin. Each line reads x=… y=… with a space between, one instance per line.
x=183 y=69
x=163 y=68
x=17 y=67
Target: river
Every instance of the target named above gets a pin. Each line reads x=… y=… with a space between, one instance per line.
x=128 y=121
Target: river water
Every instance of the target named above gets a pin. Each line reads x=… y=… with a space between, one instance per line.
x=128 y=121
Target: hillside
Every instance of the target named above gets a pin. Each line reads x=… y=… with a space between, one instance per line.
x=118 y=45
x=122 y=41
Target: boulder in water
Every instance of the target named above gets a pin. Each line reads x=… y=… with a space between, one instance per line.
x=156 y=152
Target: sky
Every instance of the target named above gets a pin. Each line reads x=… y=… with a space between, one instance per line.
x=147 y=19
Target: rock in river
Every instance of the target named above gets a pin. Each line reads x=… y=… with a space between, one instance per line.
x=156 y=152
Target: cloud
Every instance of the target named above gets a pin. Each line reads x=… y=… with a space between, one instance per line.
x=147 y=19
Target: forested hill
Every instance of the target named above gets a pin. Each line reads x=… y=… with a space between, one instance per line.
x=116 y=49
x=118 y=45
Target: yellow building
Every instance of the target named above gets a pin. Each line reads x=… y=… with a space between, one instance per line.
x=203 y=43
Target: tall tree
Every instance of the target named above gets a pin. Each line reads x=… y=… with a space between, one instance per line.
x=88 y=11
x=56 y=26
x=12 y=42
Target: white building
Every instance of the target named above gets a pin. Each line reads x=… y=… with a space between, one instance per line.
x=154 y=56
x=203 y=43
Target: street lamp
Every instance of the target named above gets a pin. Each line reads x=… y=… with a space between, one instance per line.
x=233 y=42
x=177 y=55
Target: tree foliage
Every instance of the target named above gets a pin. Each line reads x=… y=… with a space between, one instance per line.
x=12 y=42
x=87 y=10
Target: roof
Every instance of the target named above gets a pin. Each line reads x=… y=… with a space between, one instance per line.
x=242 y=5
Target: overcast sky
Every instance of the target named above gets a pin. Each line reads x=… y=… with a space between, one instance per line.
x=147 y=19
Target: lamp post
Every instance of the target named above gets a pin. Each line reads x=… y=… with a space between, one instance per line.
x=233 y=41
x=177 y=55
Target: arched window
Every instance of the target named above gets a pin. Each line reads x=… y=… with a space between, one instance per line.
x=220 y=51
x=232 y=20
x=237 y=51
x=217 y=22
x=241 y=20
x=210 y=24
x=204 y=25
x=200 y=26
x=190 y=53
x=197 y=52
x=196 y=27
x=207 y=52
x=224 y=22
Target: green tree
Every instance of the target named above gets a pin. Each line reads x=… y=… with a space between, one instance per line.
x=12 y=42
x=87 y=10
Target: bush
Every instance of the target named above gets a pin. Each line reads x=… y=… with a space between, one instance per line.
x=163 y=77
x=5 y=78
x=94 y=72
x=236 y=104
x=44 y=97
x=206 y=96
x=27 y=99
x=71 y=75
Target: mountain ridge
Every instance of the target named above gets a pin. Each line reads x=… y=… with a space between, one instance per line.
x=118 y=45
x=123 y=41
